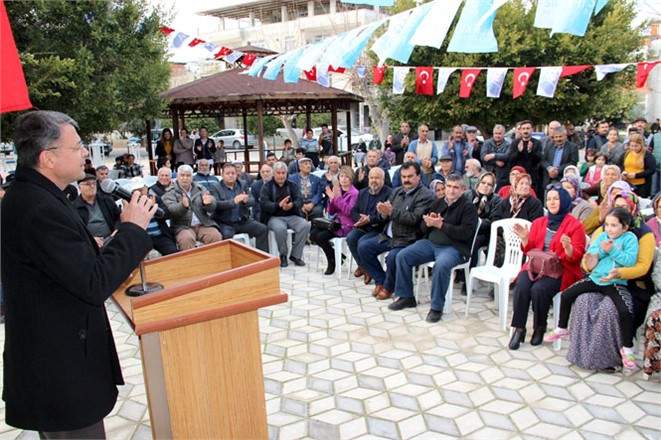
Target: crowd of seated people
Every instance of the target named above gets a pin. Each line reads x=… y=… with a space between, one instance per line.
x=426 y=209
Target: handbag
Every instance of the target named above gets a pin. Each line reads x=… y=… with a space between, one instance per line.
x=543 y=264
x=325 y=224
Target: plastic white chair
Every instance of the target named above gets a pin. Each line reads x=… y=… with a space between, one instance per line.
x=557 y=345
x=150 y=180
x=423 y=269
x=273 y=245
x=244 y=238
x=500 y=276
x=339 y=245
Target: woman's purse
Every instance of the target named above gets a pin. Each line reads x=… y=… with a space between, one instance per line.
x=543 y=264
x=325 y=224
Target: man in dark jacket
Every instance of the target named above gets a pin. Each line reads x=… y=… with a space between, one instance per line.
x=233 y=209
x=61 y=368
x=449 y=230
x=526 y=152
x=403 y=212
x=361 y=178
x=162 y=238
x=368 y=222
x=99 y=213
x=401 y=141
x=281 y=203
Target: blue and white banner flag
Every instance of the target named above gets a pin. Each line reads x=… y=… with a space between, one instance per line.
x=573 y=17
x=469 y=37
x=349 y=53
x=371 y=2
x=258 y=65
x=210 y=47
x=291 y=73
x=443 y=76
x=178 y=40
x=402 y=49
x=545 y=13
x=322 y=75
x=389 y=39
x=235 y=55
x=604 y=69
x=495 y=80
x=313 y=52
x=434 y=27
x=361 y=71
x=399 y=75
x=548 y=81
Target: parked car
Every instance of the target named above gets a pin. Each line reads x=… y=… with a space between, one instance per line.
x=356 y=138
x=233 y=138
x=106 y=146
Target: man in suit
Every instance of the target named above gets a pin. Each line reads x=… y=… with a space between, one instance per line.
x=558 y=156
x=61 y=367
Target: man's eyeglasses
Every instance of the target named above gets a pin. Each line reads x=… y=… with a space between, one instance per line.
x=77 y=149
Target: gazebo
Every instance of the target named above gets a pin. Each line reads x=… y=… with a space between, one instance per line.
x=234 y=93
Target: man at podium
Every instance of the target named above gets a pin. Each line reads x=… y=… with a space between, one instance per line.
x=61 y=368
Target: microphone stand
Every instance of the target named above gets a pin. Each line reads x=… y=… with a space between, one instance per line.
x=144 y=287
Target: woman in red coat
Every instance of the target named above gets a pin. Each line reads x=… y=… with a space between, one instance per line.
x=558 y=232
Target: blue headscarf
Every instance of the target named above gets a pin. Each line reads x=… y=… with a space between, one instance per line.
x=565 y=207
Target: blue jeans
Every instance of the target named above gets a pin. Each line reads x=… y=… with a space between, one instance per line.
x=656 y=183
x=354 y=238
x=369 y=250
x=424 y=251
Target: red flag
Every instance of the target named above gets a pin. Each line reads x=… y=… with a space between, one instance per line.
x=643 y=72
x=424 y=80
x=248 y=59
x=338 y=70
x=166 y=30
x=521 y=79
x=311 y=74
x=570 y=70
x=378 y=73
x=468 y=77
x=224 y=51
x=195 y=42
x=13 y=90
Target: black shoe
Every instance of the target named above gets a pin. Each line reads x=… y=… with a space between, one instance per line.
x=434 y=316
x=518 y=337
x=283 y=261
x=538 y=336
x=403 y=303
x=459 y=277
x=463 y=290
x=297 y=261
x=492 y=293
x=331 y=268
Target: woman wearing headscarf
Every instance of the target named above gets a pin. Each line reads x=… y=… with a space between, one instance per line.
x=520 y=203
x=437 y=188
x=596 y=219
x=589 y=319
x=655 y=222
x=609 y=175
x=486 y=202
x=558 y=232
x=580 y=208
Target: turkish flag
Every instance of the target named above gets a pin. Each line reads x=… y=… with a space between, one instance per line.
x=166 y=30
x=378 y=73
x=424 y=80
x=195 y=41
x=311 y=74
x=468 y=77
x=224 y=51
x=248 y=59
x=338 y=70
x=570 y=70
x=521 y=79
x=13 y=90
x=643 y=72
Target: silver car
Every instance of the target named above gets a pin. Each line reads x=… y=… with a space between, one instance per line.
x=233 y=138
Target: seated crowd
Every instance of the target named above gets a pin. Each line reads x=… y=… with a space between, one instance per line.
x=427 y=209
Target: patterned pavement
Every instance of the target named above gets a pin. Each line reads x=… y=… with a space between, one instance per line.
x=340 y=365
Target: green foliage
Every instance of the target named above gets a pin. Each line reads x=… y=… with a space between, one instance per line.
x=269 y=123
x=610 y=38
x=102 y=62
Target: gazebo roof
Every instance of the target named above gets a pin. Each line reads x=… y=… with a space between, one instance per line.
x=232 y=92
x=260 y=51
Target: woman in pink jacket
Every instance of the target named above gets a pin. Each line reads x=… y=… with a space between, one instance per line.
x=341 y=198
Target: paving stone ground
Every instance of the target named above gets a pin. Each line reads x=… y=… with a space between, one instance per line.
x=339 y=365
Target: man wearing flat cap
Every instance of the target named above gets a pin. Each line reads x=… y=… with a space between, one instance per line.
x=311 y=189
x=100 y=214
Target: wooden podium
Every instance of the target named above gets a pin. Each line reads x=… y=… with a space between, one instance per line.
x=199 y=339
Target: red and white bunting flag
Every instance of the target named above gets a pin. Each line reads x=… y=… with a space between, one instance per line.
x=248 y=59
x=336 y=70
x=166 y=30
x=224 y=51
x=468 y=77
x=378 y=73
x=570 y=70
x=643 y=72
x=521 y=79
x=195 y=41
x=311 y=74
x=424 y=80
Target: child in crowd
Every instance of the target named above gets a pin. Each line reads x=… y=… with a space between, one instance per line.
x=594 y=172
x=615 y=247
x=584 y=167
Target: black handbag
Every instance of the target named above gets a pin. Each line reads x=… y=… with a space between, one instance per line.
x=325 y=224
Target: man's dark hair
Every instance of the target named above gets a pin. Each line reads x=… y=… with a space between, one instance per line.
x=324 y=125
x=229 y=165
x=270 y=154
x=455 y=177
x=414 y=165
x=221 y=142
x=526 y=121
x=300 y=150
x=640 y=120
x=37 y=131
x=101 y=168
x=203 y=127
x=287 y=141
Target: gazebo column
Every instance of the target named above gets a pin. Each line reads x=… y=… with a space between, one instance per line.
x=246 y=154
x=308 y=116
x=334 y=125
x=175 y=126
x=349 y=137
x=260 y=134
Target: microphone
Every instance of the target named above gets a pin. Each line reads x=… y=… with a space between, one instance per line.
x=109 y=186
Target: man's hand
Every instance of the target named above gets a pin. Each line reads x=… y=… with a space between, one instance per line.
x=553 y=172
x=500 y=163
x=284 y=202
x=99 y=241
x=520 y=147
x=433 y=220
x=384 y=208
x=184 y=200
x=207 y=199
x=139 y=210
x=361 y=175
x=490 y=156
x=426 y=163
x=307 y=207
x=240 y=198
x=362 y=221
